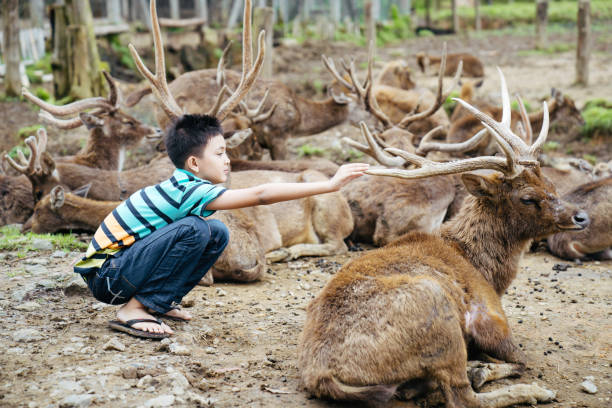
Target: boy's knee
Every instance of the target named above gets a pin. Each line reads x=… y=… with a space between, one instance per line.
x=219 y=231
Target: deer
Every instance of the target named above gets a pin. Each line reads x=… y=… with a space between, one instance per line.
x=472 y=66
x=282 y=114
x=399 y=320
x=561 y=107
x=396 y=74
x=111 y=129
x=595 y=241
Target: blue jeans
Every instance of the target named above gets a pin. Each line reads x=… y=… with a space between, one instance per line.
x=164 y=266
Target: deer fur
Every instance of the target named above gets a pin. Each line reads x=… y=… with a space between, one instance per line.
x=472 y=66
x=396 y=74
x=293 y=115
x=595 y=241
x=561 y=107
x=402 y=316
x=386 y=208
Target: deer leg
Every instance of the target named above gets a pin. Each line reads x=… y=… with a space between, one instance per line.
x=277 y=255
x=330 y=248
x=515 y=394
x=480 y=373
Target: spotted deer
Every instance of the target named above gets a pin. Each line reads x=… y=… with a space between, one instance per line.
x=111 y=129
x=472 y=66
x=398 y=320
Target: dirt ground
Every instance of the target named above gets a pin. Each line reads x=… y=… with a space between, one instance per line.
x=240 y=349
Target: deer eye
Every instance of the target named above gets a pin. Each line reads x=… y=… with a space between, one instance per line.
x=529 y=201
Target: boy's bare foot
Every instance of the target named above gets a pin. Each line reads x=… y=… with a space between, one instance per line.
x=177 y=314
x=133 y=309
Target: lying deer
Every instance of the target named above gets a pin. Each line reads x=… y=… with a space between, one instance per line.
x=111 y=129
x=594 y=242
x=561 y=107
x=398 y=320
x=280 y=114
x=472 y=66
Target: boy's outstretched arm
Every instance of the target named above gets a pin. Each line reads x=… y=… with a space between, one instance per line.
x=275 y=192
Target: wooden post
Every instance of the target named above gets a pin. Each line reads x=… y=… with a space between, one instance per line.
x=541 y=21
x=201 y=8
x=59 y=58
x=11 y=53
x=477 y=20
x=263 y=19
x=113 y=11
x=175 y=10
x=428 y=13
x=455 y=16
x=583 y=50
x=336 y=10
x=37 y=13
x=125 y=10
x=370 y=26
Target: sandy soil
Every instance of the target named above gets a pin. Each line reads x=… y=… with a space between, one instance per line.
x=240 y=349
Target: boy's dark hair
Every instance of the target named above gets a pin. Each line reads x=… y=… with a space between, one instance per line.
x=189 y=135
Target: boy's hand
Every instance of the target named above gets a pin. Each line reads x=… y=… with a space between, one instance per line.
x=347 y=173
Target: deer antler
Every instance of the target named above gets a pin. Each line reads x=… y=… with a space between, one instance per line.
x=250 y=69
x=37 y=148
x=49 y=112
x=159 y=85
x=256 y=115
x=517 y=152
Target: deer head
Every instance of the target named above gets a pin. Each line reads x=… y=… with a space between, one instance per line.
x=108 y=123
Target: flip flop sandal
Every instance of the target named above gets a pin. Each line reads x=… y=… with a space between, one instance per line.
x=128 y=328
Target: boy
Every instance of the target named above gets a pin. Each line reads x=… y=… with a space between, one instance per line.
x=156 y=246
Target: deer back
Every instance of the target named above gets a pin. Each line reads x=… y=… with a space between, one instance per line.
x=16 y=200
x=396 y=74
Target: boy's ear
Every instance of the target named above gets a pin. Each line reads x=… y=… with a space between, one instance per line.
x=479 y=186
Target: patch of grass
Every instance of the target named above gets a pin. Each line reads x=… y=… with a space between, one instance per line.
x=308 y=150
x=27 y=131
x=514 y=106
x=12 y=239
x=354 y=155
x=597 y=116
x=590 y=158
x=42 y=65
x=449 y=105
x=552 y=49
x=550 y=146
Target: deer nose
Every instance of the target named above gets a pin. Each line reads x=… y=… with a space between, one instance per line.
x=581 y=219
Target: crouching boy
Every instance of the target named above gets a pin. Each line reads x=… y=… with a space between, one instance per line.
x=155 y=247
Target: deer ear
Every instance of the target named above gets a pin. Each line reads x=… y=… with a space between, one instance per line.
x=478 y=186
x=57 y=197
x=82 y=191
x=90 y=121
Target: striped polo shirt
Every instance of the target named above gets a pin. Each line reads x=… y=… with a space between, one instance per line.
x=148 y=210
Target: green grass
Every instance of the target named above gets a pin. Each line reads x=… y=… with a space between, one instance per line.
x=597 y=116
x=308 y=150
x=11 y=239
x=449 y=105
x=551 y=49
x=524 y=13
x=26 y=131
x=43 y=64
x=550 y=146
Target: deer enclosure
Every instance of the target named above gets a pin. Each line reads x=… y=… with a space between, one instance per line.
x=477 y=250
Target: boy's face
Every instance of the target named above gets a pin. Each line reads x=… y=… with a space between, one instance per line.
x=213 y=164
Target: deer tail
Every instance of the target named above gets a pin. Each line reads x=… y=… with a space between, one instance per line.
x=135 y=97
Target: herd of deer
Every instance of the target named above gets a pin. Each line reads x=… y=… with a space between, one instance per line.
x=400 y=320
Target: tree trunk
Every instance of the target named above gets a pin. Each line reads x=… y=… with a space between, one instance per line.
x=477 y=20
x=455 y=16
x=201 y=10
x=583 y=51
x=541 y=21
x=37 y=13
x=113 y=11
x=175 y=10
x=350 y=7
x=59 y=59
x=428 y=13
x=12 y=56
x=263 y=19
x=404 y=6
x=235 y=13
x=336 y=10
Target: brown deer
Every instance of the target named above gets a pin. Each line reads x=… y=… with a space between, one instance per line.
x=595 y=241
x=399 y=320
x=284 y=113
x=472 y=66
x=396 y=74
x=111 y=129
x=561 y=107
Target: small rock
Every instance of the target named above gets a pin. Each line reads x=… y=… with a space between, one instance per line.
x=199 y=400
x=77 y=401
x=178 y=380
x=164 y=345
x=42 y=244
x=27 y=335
x=28 y=307
x=161 y=401
x=36 y=269
x=560 y=267
x=588 y=387
x=129 y=373
x=114 y=344
x=58 y=254
x=210 y=350
x=46 y=283
x=305 y=285
x=221 y=292
x=76 y=286
x=179 y=349
x=146 y=381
